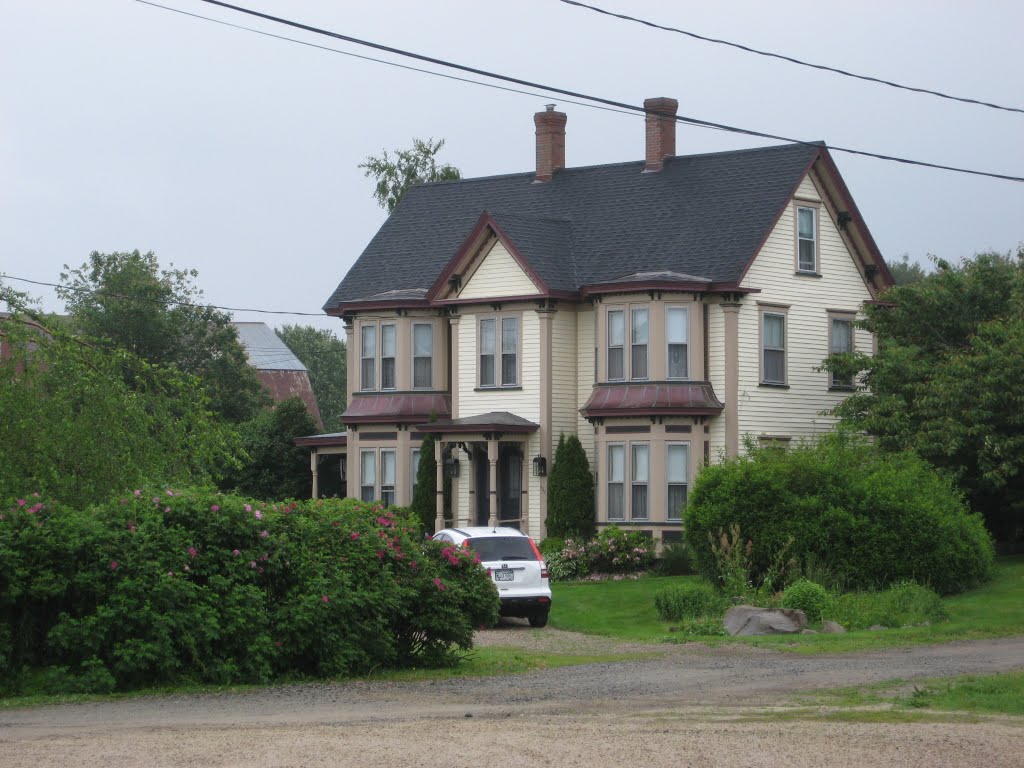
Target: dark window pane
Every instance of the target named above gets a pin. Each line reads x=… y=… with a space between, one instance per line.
x=638 y=507
x=367 y=373
x=775 y=366
x=639 y=362
x=677 y=363
x=486 y=370
x=615 y=371
x=387 y=373
x=508 y=369
x=421 y=372
x=676 y=500
x=615 y=506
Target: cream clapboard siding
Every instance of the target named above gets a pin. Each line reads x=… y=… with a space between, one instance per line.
x=586 y=333
x=523 y=401
x=563 y=376
x=796 y=412
x=716 y=375
x=498 y=275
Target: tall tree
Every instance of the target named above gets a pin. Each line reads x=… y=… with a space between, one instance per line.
x=323 y=354
x=395 y=176
x=904 y=271
x=126 y=300
x=74 y=428
x=570 y=492
x=948 y=380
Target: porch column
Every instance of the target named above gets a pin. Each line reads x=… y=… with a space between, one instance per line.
x=492 y=459
x=471 y=504
x=731 y=311
x=438 y=457
x=314 y=466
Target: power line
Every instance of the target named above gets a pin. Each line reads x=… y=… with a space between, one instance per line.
x=162 y=302
x=792 y=60
x=622 y=106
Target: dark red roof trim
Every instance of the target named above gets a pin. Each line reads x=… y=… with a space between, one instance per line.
x=454 y=426
x=641 y=287
x=396 y=408
x=317 y=440
x=661 y=398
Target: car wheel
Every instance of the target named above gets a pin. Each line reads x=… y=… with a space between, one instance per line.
x=538 y=619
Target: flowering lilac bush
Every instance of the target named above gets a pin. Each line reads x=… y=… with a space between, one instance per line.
x=166 y=586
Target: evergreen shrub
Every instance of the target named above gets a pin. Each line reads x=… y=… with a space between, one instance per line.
x=570 y=492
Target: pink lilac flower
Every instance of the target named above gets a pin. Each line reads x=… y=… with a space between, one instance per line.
x=22 y=502
x=167 y=509
x=277 y=643
x=413 y=565
x=325 y=599
x=439 y=584
x=131 y=527
x=252 y=563
x=170 y=573
x=264 y=534
x=156 y=500
x=215 y=507
x=138 y=492
x=113 y=565
x=236 y=552
x=355 y=535
x=192 y=552
x=380 y=554
x=35 y=494
x=258 y=515
x=170 y=492
x=248 y=507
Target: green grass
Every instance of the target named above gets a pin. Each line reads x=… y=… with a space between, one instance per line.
x=625 y=610
x=482 y=662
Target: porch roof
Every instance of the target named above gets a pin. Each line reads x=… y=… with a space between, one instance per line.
x=396 y=407
x=328 y=439
x=495 y=421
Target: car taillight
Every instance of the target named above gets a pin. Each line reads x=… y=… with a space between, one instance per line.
x=544 y=572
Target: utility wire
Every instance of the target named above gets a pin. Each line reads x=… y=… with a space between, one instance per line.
x=619 y=105
x=162 y=302
x=792 y=60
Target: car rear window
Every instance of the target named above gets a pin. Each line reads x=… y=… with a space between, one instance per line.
x=493 y=548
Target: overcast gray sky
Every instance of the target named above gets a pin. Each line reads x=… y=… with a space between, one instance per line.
x=124 y=126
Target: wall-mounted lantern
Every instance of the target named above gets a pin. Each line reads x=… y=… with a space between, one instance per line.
x=451 y=467
x=540 y=466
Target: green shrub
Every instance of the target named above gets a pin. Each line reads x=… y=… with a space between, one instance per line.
x=688 y=601
x=813 y=599
x=166 y=586
x=617 y=551
x=675 y=560
x=869 y=517
x=903 y=604
x=552 y=545
x=570 y=511
x=705 y=626
x=571 y=562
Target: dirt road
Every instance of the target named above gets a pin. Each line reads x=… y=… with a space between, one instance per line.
x=691 y=706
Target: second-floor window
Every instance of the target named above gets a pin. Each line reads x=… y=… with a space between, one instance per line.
x=840 y=342
x=616 y=345
x=638 y=347
x=806 y=239
x=677 y=334
x=499 y=351
x=368 y=357
x=422 y=355
x=773 y=348
x=388 y=343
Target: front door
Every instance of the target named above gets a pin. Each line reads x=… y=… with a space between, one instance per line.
x=510 y=484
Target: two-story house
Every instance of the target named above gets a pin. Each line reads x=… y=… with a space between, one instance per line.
x=659 y=309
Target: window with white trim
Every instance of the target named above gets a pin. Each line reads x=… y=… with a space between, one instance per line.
x=807 y=239
x=640 y=472
x=773 y=347
x=387 y=477
x=488 y=334
x=676 y=474
x=414 y=471
x=368 y=475
x=616 y=482
x=368 y=357
x=677 y=334
x=509 y=351
x=422 y=355
x=639 y=334
x=388 y=344
x=840 y=342
x=616 y=345
x=499 y=351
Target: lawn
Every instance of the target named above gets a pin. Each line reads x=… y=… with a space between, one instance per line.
x=625 y=610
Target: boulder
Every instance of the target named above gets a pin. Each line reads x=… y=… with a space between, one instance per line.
x=877 y=628
x=832 y=628
x=749 y=620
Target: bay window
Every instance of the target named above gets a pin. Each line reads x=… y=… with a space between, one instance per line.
x=677 y=334
x=678 y=455
x=422 y=355
x=638 y=347
x=368 y=357
x=387 y=356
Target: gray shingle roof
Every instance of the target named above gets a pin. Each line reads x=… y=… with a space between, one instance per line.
x=265 y=350
x=703 y=215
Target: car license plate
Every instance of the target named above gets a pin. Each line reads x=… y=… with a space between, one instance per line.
x=504 y=575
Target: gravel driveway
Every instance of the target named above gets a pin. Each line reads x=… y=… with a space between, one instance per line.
x=686 y=706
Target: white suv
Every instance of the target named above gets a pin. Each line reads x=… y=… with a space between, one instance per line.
x=515 y=565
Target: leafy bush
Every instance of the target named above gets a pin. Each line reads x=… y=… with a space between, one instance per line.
x=813 y=599
x=688 y=601
x=675 y=560
x=705 y=626
x=617 y=551
x=552 y=545
x=903 y=604
x=166 y=586
x=570 y=491
x=569 y=563
x=869 y=517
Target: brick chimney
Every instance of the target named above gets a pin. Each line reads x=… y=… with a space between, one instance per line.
x=550 y=142
x=661 y=132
